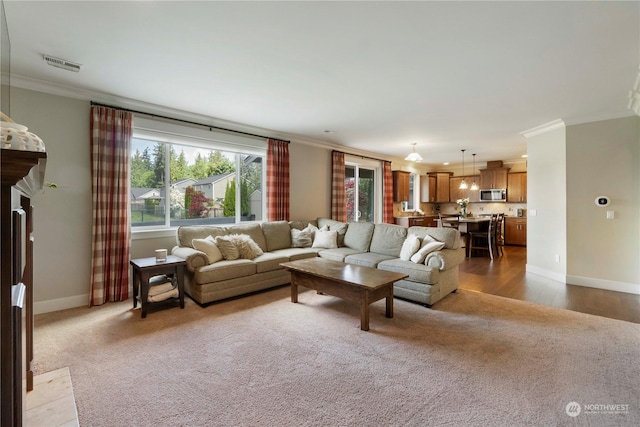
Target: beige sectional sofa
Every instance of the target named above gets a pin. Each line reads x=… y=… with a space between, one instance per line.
x=373 y=245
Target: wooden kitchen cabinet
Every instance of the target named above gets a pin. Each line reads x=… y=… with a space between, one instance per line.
x=428 y=188
x=515 y=231
x=517 y=187
x=441 y=186
x=419 y=221
x=493 y=178
x=400 y=186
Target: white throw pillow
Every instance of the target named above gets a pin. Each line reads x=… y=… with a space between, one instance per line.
x=325 y=239
x=409 y=247
x=425 y=250
x=301 y=238
x=209 y=247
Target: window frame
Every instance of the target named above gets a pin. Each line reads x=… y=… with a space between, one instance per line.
x=376 y=166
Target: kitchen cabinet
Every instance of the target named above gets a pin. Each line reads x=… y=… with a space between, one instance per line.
x=400 y=186
x=441 y=186
x=493 y=178
x=428 y=187
x=517 y=187
x=515 y=231
x=456 y=193
x=420 y=221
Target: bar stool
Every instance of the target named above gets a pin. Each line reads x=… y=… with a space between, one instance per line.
x=499 y=239
x=483 y=240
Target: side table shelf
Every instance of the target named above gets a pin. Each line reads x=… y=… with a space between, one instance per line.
x=145 y=268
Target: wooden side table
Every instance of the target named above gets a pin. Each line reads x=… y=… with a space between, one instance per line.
x=145 y=268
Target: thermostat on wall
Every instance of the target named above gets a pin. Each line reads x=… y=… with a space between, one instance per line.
x=602 y=201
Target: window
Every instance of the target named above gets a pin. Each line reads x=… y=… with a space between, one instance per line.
x=363 y=190
x=206 y=183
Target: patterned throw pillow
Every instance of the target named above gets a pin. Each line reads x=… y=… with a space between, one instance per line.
x=235 y=246
x=301 y=238
x=227 y=247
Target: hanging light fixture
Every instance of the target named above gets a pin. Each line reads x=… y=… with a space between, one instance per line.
x=463 y=184
x=474 y=185
x=413 y=156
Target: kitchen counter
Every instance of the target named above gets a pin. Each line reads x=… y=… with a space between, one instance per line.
x=416 y=220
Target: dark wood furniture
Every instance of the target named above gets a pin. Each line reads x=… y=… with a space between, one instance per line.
x=354 y=283
x=400 y=186
x=484 y=240
x=145 y=268
x=16 y=284
x=515 y=231
x=419 y=221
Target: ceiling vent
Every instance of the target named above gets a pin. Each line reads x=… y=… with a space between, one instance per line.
x=62 y=63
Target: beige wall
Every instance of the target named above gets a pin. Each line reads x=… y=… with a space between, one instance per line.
x=63 y=216
x=603 y=159
x=546 y=204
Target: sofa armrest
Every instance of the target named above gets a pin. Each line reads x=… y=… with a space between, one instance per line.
x=193 y=257
x=445 y=259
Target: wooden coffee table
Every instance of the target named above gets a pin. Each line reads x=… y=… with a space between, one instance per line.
x=354 y=283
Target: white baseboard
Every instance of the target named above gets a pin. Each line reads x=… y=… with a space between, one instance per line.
x=609 y=285
x=558 y=277
x=48 y=306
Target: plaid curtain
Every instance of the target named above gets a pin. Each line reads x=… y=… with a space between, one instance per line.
x=278 y=180
x=387 y=194
x=338 y=193
x=110 y=151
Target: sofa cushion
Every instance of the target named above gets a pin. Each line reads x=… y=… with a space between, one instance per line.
x=388 y=239
x=224 y=270
x=337 y=254
x=209 y=247
x=450 y=236
x=186 y=233
x=252 y=230
x=269 y=262
x=367 y=259
x=358 y=235
x=293 y=254
x=416 y=272
x=277 y=235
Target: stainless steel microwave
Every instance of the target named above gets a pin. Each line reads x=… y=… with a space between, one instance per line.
x=493 y=195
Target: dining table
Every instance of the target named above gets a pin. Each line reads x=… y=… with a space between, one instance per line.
x=466 y=225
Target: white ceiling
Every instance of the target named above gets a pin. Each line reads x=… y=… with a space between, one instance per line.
x=380 y=75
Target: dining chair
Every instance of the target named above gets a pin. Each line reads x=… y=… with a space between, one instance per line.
x=447 y=223
x=499 y=232
x=483 y=240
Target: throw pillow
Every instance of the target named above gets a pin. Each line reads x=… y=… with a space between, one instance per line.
x=247 y=247
x=301 y=238
x=325 y=239
x=227 y=247
x=312 y=229
x=425 y=250
x=209 y=247
x=409 y=247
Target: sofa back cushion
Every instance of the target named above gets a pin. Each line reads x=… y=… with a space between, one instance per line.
x=277 y=235
x=450 y=236
x=186 y=233
x=252 y=230
x=358 y=235
x=388 y=239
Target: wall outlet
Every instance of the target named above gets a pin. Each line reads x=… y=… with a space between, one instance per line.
x=533 y=212
x=557 y=258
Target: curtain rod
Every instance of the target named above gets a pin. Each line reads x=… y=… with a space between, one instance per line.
x=187 y=121
x=362 y=157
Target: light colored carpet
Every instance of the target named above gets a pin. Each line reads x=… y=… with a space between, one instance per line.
x=472 y=360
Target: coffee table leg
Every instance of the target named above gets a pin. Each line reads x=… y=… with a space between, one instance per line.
x=364 y=312
x=294 y=289
x=389 y=312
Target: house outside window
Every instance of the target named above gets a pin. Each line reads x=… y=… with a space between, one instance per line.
x=206 y=183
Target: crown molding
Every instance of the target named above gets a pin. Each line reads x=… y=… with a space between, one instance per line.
x=544 y=128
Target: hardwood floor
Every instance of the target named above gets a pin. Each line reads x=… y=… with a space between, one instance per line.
x=505 y=276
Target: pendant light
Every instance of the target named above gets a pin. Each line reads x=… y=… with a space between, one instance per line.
x=474 y=186
x=463 y=184
x=414 y=157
